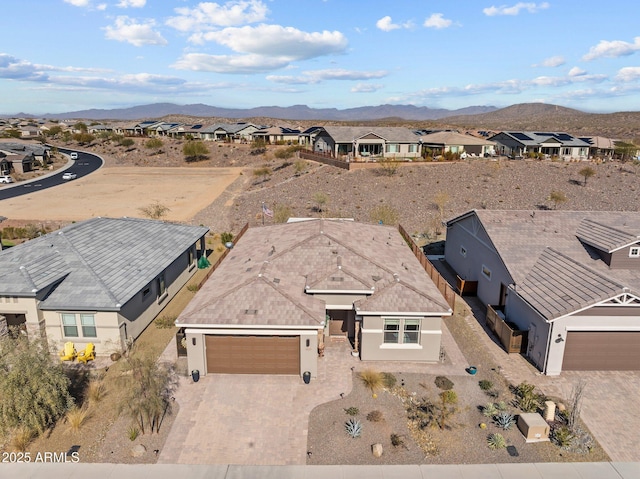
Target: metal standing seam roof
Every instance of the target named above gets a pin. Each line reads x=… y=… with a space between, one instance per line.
x=269 y=268
x=102 y=262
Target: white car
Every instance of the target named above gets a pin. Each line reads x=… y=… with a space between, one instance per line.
x=69 y=176
x=6 y=179
x=73 y=156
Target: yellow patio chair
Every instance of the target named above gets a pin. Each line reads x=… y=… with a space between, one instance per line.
x=87 y=354
x=69 y=352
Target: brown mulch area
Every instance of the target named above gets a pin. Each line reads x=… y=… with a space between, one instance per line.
x=463 y=443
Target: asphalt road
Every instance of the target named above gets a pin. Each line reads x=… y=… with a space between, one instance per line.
x=85 y=164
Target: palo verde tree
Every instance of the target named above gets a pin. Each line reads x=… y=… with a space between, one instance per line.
x=34 y=390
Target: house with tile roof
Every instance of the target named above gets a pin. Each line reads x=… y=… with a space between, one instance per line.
x=363 y=142
x=571 y=279
x=101 y=281
x=441 y=142
x=551 y=144
x=285 y=289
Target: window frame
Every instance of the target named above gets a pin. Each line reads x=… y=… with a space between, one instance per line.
x=486 y=272
x=66 y=324
x=405 y=329
x=86 y=328
x=634 y=252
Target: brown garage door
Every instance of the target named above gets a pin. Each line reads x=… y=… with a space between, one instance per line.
x=602 y=351
x=253 y=354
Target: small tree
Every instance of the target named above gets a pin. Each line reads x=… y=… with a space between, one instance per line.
x=195 y=151
x=389 y=165
x=384 y=214
x=557 y=197
x=155 y=211
x=320 y=199
x=586 y=172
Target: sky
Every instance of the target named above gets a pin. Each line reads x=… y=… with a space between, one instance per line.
x=66 y=55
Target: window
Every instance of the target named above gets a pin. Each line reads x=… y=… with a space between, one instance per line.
x=146 y=291
x=69 y=325
x=463 y=251
x=413 y=148
x=88 y=326
x=393 y=148
x=410 y=329
x=634 y=252
x=190 y=257
x=162 y=285
x=486 y=272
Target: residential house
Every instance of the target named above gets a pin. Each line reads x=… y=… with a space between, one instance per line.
x=600 y=147
x=277 y=134
x=41 y=153
x=308 y=136
x=102 y=280
x=21 y=162
x=357 y=143
x=284 y=290
x=522 y=143
x=451 y=141
x=570 y=279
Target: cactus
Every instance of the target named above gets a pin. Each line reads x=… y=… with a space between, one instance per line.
x=353 y=427
x=504 y=420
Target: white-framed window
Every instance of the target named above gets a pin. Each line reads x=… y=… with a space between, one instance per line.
x=88 y=322
x=463 y=251
x=162 y=285
x=190 y=257
x=413 y=148
x=393 y=148
x=486 y=272
x=634 y=252
x=401 y=331
x=69 y=325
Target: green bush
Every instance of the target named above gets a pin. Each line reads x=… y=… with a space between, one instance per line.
x=485 y=384
x=389 y=380
x=225 y=237
x=352 y=411
x=444 y=383
x=496 y=441
x=165 y=322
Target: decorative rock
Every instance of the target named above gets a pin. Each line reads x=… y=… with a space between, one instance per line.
x=138 y=450
x=376 y=449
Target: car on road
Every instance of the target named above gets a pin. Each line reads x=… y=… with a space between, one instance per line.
x=6 y=179
x=73 y=155
x=69 y=176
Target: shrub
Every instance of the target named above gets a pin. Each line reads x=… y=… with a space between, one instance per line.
x=195 y=151
x=281 y=213
x=562 y=436
x=389 y=380
x=126 y=142
x=262 y=171
x=504 y=420
x=165 y=322
x=496 y=441
x=353 y=427
x=133 y=432
x=21 y=436
x=95 y=391
x=528 y=400
x=489 y=410
x=154 y=211
x=76 y=417
x=153 y=144
x=485 y=384
x=375 y=416
x=384 y=214
x=444 y=383
x=352 y=411
x=372 y=379
x=299 y=166
x=225 y=237
x=193 y=287
x=396 y=440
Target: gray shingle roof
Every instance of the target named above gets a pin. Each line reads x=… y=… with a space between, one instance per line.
x=104 y=262
x=270 y=267
x=604 y=237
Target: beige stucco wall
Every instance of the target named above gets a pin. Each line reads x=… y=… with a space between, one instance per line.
x=373 y=348
x=107 y=331
x=196 y=353
x=26 y=306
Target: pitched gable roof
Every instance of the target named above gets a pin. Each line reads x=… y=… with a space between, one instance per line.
x=346 y=134
x=603 y=237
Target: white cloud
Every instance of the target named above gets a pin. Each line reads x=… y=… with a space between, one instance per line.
x=230 y=63
x=132 y=3
x=551 y=62
x=386 y=25
x=138 y=34
x=102 y=7
x=277 y=41
x=575 y=71
x=78 y=3
x=437 y=21
x=628 y=74
x=515 y=9
x=612 y=49
x=317 y=76
x=366 y=88
x=208 y=15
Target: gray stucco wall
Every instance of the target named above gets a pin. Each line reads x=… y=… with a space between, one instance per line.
x=520 y=313
x=467 y=249
x=373 y=348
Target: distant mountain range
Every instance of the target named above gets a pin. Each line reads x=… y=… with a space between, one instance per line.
x=296 y=112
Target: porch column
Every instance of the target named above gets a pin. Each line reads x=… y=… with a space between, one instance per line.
x=356 y=346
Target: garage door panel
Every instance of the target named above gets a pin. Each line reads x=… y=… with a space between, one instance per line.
x=602 y=351
x=253 y=354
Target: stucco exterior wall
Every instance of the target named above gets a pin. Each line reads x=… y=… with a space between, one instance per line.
x=467 y=250
x=107 y=332
x=26 y=306
x=527 y=319
x=373 y=347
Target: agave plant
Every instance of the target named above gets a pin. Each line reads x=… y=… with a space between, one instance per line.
x=504 y=420
x=353 y=427
x=496 y=441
